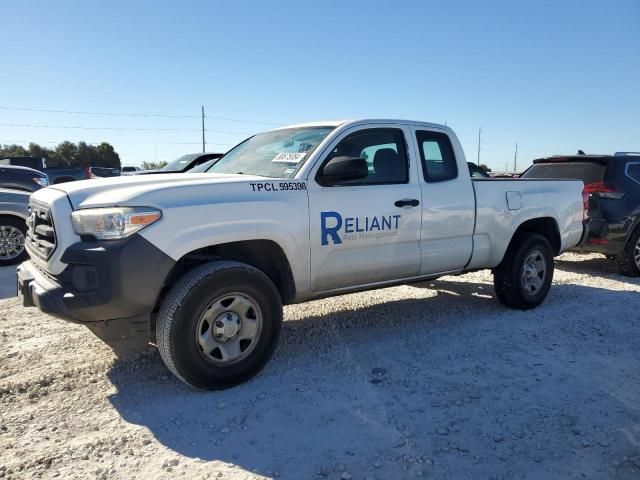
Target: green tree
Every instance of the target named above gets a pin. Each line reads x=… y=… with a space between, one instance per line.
x=87 y=155
x=35 y=150
x=12 y=151
x=65 y=154
x=485 y=167
x=153 y=165
x=107 y=156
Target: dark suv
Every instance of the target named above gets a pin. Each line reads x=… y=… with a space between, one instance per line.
x=183 y=163
x=22 y=178
x=612 y=191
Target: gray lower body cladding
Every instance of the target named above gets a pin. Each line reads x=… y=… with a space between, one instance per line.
x=112 y=283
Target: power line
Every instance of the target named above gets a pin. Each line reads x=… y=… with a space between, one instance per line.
x=99 y=142
x=144 y=115
x=78 y=127
x=111 y=114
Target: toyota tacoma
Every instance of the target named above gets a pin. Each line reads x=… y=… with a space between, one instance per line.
x=201 y=264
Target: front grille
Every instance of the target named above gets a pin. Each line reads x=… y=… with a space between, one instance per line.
x=41 y=235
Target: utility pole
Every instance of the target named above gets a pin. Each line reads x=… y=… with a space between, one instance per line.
x=479 y=140
x=515 y=159
x=203 y=140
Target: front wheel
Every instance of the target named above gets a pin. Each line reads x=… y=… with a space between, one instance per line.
x=12 y=235
x=219 y=325
x=629 y=260
x=523 y=278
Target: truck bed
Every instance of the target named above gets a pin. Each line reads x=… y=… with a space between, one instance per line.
x=503 y=202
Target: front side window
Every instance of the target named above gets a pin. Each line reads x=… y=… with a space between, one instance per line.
x=384 y=151
x=275 y=154
x=436 y=153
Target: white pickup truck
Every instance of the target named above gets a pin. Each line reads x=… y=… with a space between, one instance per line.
x=201 y=264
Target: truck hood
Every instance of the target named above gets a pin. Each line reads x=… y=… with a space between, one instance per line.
x=127 y=190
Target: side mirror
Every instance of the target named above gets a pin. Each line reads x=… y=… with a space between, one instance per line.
x=343 y=169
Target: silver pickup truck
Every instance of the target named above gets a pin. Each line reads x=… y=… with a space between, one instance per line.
x=202 y=263
x=13 y=214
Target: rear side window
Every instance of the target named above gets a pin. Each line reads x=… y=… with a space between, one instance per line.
x=588 y=172
x=436 y=154
x=633 y=171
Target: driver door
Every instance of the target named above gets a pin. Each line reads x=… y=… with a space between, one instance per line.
x=367 y=230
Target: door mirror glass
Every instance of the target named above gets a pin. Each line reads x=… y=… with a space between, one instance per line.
x=343 y=169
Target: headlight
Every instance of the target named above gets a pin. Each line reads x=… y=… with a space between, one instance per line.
x=42 y=181
x=113 y=223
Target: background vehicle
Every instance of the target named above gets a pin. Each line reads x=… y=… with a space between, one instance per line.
x=183 y=163
x=130 y=169
x=202 y=264
x=203 y=167
x=56 y=174
x=476 y=171
x=104 y=172
x=13 y=214
x=22 y=178
x=613 y=187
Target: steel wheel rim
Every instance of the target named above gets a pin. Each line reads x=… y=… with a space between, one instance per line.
x=229 y=328
x=636 y=254
x=534 y=272
x=11 y=242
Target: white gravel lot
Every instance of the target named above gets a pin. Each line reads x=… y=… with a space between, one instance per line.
x=435 y=380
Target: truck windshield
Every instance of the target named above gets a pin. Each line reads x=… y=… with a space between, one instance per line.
x=275 y=154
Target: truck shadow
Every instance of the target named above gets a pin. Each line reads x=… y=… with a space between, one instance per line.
x=336 y=390
x=598 y=266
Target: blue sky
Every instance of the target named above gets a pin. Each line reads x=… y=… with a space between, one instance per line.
x=554 y=76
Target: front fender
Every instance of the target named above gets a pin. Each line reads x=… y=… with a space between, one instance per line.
x=185 y=229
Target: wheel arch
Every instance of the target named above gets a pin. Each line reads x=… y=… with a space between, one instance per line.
x=13 y=215
x=635 y=225
x=265 y=255
x=545 y=226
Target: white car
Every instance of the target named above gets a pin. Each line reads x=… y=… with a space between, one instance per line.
x=130 y=170
x=201 y=264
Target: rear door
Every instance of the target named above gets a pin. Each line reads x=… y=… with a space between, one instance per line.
x=448 y=202
x=368 y=230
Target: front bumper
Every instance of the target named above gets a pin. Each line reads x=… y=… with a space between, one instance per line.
x=110 y=286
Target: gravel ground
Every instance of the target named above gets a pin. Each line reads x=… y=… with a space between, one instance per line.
x=435 y=380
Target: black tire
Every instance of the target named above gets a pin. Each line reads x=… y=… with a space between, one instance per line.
x=177 y=323
x=7 y=223
x=628 y=261
x=508 y=277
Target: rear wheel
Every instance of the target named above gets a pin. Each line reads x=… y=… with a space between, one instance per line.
x=523 y=278
x=629 y=260
x=219 y=325
x=12 y=235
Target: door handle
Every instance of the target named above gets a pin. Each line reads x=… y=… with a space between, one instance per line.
x=412 y=202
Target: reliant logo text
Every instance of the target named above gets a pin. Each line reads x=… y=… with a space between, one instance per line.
x=338 y=229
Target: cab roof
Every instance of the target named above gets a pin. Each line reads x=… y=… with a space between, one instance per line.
x=338 y=123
